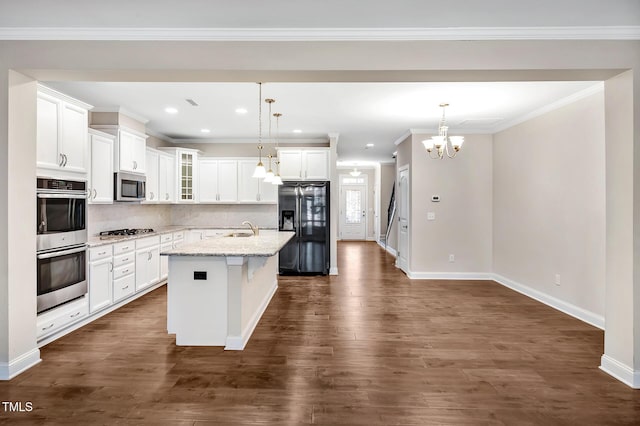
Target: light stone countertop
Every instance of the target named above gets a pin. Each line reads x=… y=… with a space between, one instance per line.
x=96 y=240
x=266 y=244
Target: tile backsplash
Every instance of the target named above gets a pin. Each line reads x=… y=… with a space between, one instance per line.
x=133 y=215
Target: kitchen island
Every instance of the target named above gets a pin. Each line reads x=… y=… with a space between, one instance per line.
x=219 y=288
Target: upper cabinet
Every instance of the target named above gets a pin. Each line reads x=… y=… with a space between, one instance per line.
x=61 y=134
x=101 y=168
x=130 y=148
x=185 y=173
x=160 y=183
x=252 y=190
x=304 y=164
x=218 y=180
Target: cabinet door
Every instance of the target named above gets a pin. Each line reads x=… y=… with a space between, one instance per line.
x=315 y=165
x=186 y=176
x=47 y=132
x=166 y=179
x=290 y=164
x=208 y=181
x=153 y=266
x=73 y=142
x=100 y=288
x=227 y=180
x=164 y=260
x=101 y=170
x=152 y=160
x=248 y=188
x=126 y=148
x=139 y=154
x=142 y=269
x=268 y=192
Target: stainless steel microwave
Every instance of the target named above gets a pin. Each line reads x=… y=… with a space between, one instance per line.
x=129 y=186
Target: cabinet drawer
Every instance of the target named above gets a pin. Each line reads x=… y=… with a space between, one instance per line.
x=123 y=287
x=124 y=259
x=123 y=271
x=165 y=238
x=147 y=242
x=57 y=318
x=97 y=253
x=124 y=247
x=178 y=236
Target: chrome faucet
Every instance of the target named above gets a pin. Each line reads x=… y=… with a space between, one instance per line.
x=255 y=229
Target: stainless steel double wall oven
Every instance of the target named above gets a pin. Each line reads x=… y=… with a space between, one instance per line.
x=61 y=241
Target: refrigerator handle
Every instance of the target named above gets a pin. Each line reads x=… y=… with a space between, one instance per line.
x=298 y=220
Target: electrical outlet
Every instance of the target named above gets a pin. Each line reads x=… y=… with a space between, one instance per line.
x=557 y=280
x=431 y=215
x=452 y=258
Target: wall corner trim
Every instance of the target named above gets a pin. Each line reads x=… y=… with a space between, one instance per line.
x=11 y=369
x=562 y=306
x=333 y=270
x=620 y=371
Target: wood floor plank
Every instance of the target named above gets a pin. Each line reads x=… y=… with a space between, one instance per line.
x=367 y=347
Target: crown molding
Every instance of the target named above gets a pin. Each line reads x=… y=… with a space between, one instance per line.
x=323 y=34
x=265 y=141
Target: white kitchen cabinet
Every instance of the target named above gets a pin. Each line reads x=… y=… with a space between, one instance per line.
x=252 y=190
x=166 y=178
x=218 y=180
x=100 y=278
x=101 y=168
x=152 y=169
x=130 y=148
x=186 y=172
x=147 y=262
x=58 y=318
x=304 y=164
x=166 y=243
x=61 y=132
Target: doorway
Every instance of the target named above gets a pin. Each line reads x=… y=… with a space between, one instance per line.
x=353 y=207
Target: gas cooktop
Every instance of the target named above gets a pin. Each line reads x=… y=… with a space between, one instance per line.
x=117 y=232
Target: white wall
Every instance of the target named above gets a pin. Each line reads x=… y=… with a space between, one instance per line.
x=462 y=224
x=549 y=203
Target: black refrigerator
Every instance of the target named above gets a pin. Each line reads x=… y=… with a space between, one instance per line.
x=303 y=207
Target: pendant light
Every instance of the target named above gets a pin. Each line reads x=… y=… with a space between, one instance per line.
x=259 y=171
x=269 y=176
x=440 y=144
x=277 y=180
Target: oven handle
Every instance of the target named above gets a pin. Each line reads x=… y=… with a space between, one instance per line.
x=61 y=253
x=82 y=196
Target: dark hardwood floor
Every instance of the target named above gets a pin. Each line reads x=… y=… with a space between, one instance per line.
x=368 y=347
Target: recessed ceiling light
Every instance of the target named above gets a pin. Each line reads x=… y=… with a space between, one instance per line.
x=171 y=110
x=205 y=130
x=370 y=145
x=241 y=110
x=297 y=131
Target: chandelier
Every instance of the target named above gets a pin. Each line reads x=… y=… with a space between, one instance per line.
x=355 y=172
x=259 y=172
x=440 y=144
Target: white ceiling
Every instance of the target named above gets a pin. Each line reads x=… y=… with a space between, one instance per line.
x=360 y=113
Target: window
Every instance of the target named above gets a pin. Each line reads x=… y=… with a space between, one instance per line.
x=353 y=206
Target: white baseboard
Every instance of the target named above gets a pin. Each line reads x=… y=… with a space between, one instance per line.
x=390 y=250
x=620 y=371
x=333 y=270
x=237 y=343
x=568 y=308
x=449 y=275
x=371 y=238
x=9 y=370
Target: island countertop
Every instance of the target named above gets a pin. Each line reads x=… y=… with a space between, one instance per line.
x=266 y=244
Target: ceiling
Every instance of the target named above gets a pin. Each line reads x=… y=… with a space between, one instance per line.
x=361 y=113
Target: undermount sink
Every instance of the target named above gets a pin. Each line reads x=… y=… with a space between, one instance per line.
x=240 y=234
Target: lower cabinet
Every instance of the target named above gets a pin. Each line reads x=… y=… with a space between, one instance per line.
x=147 y=262
x=124 y=287
x=100 y=277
